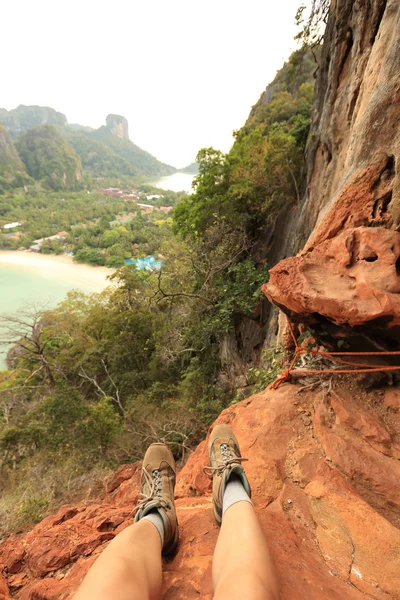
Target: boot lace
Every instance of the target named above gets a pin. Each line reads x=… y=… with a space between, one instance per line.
x=154 y=482
x=229 y=458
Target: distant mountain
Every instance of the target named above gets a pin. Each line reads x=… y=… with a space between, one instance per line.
x=192 y=169
x=23 y=117
x=77 y=127
x=117 y=125
x=12 y=170
x=104 y=152
x=48 y=157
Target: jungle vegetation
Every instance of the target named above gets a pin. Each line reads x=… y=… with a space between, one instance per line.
x=95 y=380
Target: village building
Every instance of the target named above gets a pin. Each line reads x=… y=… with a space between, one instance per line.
x=14 y=236
x=11 y=225
x=121 y=219
x=36 y=245
x=146 y=208
x=125 y=195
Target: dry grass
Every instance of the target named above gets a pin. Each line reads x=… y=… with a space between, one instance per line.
x=40 y=488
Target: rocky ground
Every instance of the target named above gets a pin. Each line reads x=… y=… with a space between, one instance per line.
x=325 y=472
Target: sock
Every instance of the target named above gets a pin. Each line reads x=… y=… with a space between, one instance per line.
x=234 y=492
x=154 y=517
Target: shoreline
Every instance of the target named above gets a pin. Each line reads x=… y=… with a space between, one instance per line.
x=60 y=267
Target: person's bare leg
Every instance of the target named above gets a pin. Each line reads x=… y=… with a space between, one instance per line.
x=242 y=564
x=128 y=569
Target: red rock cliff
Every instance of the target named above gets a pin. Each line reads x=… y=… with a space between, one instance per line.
x=354 y=139
x=325 y=474
x=353 y=156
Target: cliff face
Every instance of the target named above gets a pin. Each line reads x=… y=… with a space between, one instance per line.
x=355 y=136
x=47 y=156
x=118 y=126
x=353 y=149
x=10 y=163
x=22 y=118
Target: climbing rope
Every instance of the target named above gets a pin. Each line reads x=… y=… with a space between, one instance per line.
x=287 y=373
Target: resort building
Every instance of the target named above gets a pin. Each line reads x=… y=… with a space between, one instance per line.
x=11 y=225
x=59 y=237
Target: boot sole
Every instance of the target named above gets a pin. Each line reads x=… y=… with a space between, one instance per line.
x=217 y=516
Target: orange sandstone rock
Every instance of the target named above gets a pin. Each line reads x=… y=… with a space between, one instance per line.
x=351 y=279
x=325 y=481
x=4 y=595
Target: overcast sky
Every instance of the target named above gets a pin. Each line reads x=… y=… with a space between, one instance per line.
x=185 y=73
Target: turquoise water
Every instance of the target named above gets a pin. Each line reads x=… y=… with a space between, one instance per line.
x=148 y=262
x=20 y=287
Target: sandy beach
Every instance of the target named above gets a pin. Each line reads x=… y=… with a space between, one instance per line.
x=58 y=267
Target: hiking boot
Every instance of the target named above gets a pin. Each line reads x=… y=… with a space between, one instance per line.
x=158 y=483
x=225 y=461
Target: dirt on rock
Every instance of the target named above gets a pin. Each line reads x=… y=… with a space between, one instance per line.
x=325 y=474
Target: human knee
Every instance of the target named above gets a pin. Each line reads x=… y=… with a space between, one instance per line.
x=246 y=583
x=102 y=580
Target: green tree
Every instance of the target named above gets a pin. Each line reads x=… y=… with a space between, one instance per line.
x=115 y=261
x=92 y=256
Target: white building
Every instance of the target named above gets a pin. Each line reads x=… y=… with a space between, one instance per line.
x=12 y=225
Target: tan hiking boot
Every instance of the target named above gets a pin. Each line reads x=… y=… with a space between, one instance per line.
x=158 y=484
x=225 y=459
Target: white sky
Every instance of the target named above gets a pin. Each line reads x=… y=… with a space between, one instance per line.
x=185 y=73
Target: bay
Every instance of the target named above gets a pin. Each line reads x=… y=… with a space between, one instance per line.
x=43 y=280
x=178 y=182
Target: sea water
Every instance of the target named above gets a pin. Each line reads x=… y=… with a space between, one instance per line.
x=24 y=286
